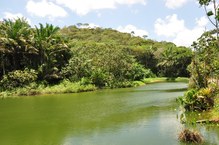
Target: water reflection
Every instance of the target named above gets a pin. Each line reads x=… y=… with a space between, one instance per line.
x=120 y=117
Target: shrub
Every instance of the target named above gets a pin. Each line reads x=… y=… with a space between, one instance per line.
x=126 y=84
x=188 y=99
x=138 y=72
x=68 y=87
x=99 y=78
x=18 y=78
x=85 y=81
x=198 y=100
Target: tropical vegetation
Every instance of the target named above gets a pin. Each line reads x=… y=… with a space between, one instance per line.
x=204 y=68
x=85 y=58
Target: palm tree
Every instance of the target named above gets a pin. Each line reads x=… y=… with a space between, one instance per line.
x=167 y=62
x=16 y=43
x=2 y=65
x=43 y=40
x=52 y=50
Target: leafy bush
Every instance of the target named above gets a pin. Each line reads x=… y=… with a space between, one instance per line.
x=123 y=84
x=85 y=81
x=198 y=100
x=138 y=72
x=18 y=78
x=68 y=87
x=99 y=78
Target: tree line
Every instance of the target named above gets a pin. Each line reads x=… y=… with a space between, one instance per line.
x=100 y=56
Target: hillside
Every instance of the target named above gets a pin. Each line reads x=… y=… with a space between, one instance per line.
x=98 y=56
x=150 y=53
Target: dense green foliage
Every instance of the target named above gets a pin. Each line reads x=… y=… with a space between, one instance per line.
x=199 y=100
x=174 y=61
x=97 y=56
x=23 y=47
x=204 y=75
x=205 y=64
x=104 y=64
x=204 y=71
x=18 y=78
x=149 y=53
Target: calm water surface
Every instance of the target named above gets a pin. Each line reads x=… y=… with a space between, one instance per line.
x=144 y=115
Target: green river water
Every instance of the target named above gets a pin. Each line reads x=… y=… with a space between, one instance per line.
x=145 y=115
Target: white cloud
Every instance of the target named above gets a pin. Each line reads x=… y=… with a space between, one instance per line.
x=83 y=7
x=45 y=8
x=89 y=26
x=172 y=27
x=92 y=25
x=202 y=22
x=8 y=15
x=169 y=27
x=99 y=15
x=131 y=28
x=187 y=37
x=173 y=4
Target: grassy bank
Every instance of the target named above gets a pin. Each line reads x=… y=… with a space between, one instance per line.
x=38 y=89
x=210 y=116
x=64 y=87
x=76 y=87
x=165 y=79
x=213 y=114
x=215 y=111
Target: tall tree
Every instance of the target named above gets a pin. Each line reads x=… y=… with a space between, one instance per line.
x=204 y=66
x=53 y=52
x=205 y=62
x=16 y=47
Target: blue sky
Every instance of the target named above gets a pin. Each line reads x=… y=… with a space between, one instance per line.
x=178 y=21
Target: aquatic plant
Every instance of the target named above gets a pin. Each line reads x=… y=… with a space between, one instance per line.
x=189 y=136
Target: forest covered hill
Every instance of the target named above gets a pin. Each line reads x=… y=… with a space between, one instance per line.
x=100 y=56
x=160 y=57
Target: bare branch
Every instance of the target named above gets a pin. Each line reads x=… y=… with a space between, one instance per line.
x=209 y=17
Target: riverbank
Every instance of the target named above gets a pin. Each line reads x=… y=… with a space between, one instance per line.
x=40 y=89
x=165 y=79
x=76 y=87
x=211 y=116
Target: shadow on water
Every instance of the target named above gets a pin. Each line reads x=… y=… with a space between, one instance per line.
x=168 y=90
x=176 y=90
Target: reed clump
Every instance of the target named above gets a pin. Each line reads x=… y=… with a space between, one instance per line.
x=190 y=136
